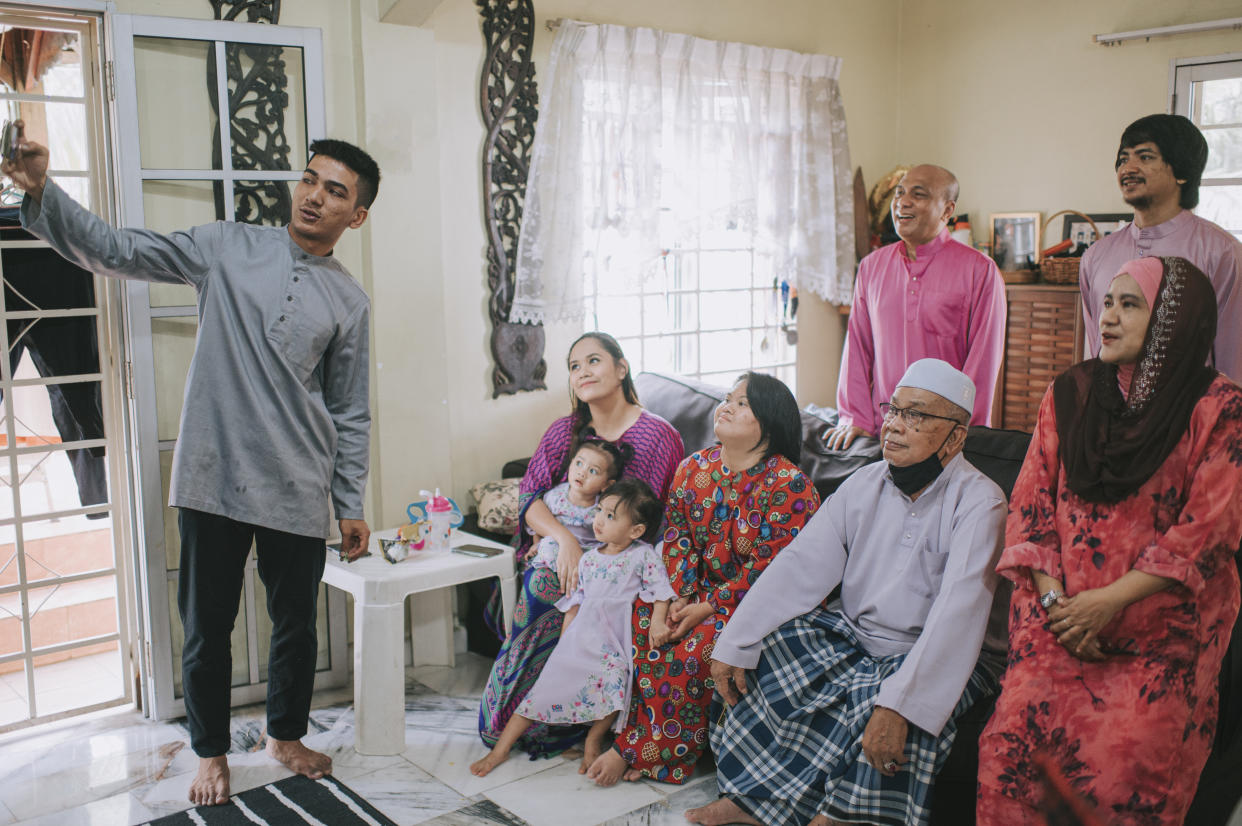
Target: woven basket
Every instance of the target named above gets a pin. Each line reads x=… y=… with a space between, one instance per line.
x=1064 y=270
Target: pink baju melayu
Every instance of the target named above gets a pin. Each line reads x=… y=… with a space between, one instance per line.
x=949 y=303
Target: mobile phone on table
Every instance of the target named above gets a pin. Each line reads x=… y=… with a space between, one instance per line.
x=478 y=550
x=336 y=548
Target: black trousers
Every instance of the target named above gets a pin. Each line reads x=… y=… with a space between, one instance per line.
x=213 y=559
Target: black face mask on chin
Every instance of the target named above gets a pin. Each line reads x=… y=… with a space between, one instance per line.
x=913 y=478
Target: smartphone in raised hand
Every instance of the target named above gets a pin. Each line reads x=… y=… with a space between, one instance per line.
x=10 y=137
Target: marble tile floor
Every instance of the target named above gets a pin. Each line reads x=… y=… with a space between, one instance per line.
x=115 y=768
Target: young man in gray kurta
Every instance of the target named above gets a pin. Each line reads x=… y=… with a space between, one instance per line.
x=275 y=425
x=850 y=712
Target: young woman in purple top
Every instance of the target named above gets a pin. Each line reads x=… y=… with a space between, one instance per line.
x=605 y=406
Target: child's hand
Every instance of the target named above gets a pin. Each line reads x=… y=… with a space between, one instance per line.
x=658 y=633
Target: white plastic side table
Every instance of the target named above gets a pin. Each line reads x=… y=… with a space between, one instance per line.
x=379 y=589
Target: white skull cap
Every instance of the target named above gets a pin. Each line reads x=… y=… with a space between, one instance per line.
x=943 y=379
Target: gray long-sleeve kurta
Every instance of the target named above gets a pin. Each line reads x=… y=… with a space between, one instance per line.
x=917 y=578
x=276 y=417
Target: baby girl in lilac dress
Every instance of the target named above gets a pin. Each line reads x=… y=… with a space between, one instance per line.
x=592 y=468
x=588 y=676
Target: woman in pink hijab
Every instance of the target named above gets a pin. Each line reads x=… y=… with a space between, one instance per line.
x=1120 y=542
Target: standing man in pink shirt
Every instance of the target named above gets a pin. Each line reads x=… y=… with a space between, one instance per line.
x=1159 y=165
x=926 y=296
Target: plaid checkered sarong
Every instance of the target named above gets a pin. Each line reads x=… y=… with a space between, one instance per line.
x=791 y=748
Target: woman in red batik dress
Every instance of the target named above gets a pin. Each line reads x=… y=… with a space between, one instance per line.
x=731 y=508
x=1121 y=535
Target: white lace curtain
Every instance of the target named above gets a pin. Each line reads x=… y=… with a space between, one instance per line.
x=647 y=138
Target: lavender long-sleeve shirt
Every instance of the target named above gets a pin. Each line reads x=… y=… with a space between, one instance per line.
x=276 y=418
x=917 y=578
x=1213 y=250
x=949 y=303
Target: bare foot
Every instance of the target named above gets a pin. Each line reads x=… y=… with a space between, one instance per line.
x=631 y=775
x=210 y=786
x=607 y=768
x=719 y=813
x=590 y=753
x=481 y=768
x=298 y=758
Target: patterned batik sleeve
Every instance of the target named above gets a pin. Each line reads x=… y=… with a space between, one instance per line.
x=1207 y=530
x=681 y=558
x=783 y=507
x=1031 y=538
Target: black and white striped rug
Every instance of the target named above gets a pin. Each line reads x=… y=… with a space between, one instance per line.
x=290 y=802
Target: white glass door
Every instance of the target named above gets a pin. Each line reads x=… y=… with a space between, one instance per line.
x=64 y=642
x=181 y=163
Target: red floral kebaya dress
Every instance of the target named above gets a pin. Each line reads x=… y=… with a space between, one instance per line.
x=723 y=528
x=1130 y=734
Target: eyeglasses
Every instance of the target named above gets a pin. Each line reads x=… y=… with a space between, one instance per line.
x=912 y=417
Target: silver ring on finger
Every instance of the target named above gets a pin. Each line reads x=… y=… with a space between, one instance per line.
x=890 y=766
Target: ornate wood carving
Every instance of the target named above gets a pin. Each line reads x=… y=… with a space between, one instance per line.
x=258 y=100
x=256 y=11
x=508 y=100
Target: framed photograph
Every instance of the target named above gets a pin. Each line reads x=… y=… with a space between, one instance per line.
x=1079 y=231
x=1015 y=240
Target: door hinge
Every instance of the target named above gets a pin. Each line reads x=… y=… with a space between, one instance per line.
x=110 y=80
x=129 y=380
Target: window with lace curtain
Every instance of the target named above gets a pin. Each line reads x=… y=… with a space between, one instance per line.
x=711 y=307
x=681 y=193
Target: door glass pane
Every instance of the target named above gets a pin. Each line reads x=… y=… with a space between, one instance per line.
x=273 y=106
x=172 y=340
x=169 y=206
x=52 y=62
x=8 y=564
x=67 y=546
x=72 y=611
x=13 y=704
x=54 y=413
x=175 y=130
x=49 y=483
x=80 y=677
x=39 y=279
x=41 y=62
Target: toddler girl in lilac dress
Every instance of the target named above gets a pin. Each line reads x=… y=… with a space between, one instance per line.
x=588 y=676
x=593 y=466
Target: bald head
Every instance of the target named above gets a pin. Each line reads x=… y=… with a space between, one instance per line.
x=923 y=203
x=941 y=178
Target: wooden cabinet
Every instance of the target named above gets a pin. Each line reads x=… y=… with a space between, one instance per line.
x=1043 y=337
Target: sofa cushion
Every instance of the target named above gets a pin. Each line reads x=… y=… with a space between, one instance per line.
x=829 y=468
x=686 y=404
x=998 y=454
x=498 y=505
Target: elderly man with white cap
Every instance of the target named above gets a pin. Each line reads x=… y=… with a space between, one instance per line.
x=854 y=654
